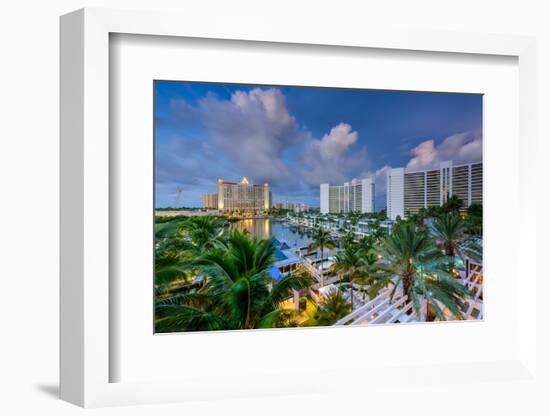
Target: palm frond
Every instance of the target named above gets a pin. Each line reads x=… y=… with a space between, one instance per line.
x=187 y=318
x=284 y=287
x=278 y=318
x=332 y=308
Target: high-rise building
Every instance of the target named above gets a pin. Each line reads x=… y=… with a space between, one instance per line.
x=354 y=196
x=292 y=206
x=409 y=191
x=243 y=196
x=300 y=207
x=296 y=206
x=210 y=201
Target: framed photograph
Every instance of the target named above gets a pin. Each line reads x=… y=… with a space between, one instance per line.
x=315 y=226
x=256 y=215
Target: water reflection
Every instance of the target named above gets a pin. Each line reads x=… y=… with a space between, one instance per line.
x=265 y=228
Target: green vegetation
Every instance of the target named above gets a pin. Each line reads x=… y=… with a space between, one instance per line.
x=209 y=276
x=418 y=263
x=333 y=308
x=472 y=215
x=347 y=238
x=349 y=263
x=281 y=212
x=449 y=230
x=474 y=220
x=322 y=239
x=234 y=289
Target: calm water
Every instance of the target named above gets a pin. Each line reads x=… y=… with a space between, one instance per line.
x=265 y=228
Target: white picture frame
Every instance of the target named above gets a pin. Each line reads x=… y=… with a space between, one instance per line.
x=85 y=211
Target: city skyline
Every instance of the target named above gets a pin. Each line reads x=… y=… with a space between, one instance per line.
x=296 y=138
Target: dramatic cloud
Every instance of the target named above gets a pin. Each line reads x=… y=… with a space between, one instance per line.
x=175 y=162
x=329 y=160
x=253 y=128
x=255 y=135
x=337 y=142
x=460 y=148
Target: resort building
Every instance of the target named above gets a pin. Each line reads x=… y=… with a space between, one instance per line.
x=210 y=201
x=354 y=196
x=243 y=196
x=300 y=207
x=295 y=206
x=409 y=191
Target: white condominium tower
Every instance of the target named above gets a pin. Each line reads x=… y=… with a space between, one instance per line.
x=409 y=191
x=243 y=196
x=357 y=195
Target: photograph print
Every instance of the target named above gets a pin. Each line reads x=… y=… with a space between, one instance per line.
x=290 y=206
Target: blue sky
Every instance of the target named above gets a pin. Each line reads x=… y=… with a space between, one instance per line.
x=295 y=138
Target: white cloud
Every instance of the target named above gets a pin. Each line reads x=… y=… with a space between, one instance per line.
x=425 y=156
x=337 y=142
x=271 y=102
x=253 y=128
x=255 y=131
x=460 y=148
x=329 y=160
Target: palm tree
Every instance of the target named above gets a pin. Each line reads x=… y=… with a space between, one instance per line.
x=372 y=274
x=346 y=238
x=449 y=230
x=201 y=234
x=321 y=239
x=416 y=261
x=171 y=266
x=366 y=243
x=204 y=232
x=333 y=308
x=375 y=230
x=472 y=248
x=453 y=205
x=348 y=262
x=172 y=255
x=239 y=293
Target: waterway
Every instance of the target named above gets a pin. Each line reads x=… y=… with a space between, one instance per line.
x=265 y=228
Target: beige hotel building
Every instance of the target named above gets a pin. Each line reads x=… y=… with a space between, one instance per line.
x=210 y=201
x=240 y=196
